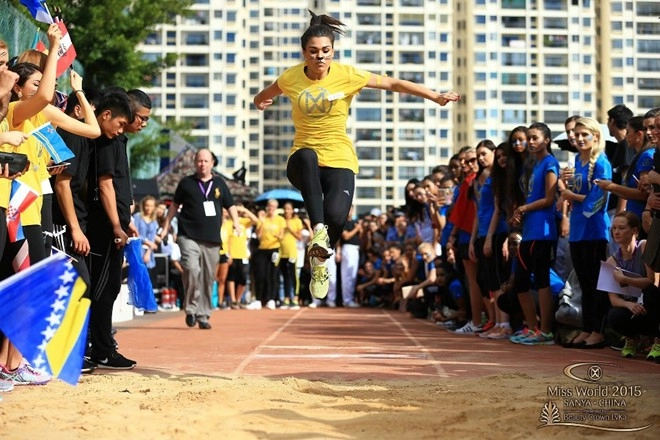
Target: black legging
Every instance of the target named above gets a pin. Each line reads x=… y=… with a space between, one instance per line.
x=586 y=257
x=327 y=192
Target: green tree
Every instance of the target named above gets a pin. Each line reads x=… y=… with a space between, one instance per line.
x=106 y=34
x=144 y=147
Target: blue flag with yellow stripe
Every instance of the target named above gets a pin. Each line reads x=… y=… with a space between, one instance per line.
x=45 y=316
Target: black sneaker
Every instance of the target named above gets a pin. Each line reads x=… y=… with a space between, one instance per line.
x=191 y=320
x=114 y=361
x=88 y=366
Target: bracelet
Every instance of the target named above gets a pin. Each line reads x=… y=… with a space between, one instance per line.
x=646 y=210
x=75 y=92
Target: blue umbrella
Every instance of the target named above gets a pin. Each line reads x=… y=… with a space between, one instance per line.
x=281 y=195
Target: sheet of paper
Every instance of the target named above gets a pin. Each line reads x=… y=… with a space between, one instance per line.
x=607 y=283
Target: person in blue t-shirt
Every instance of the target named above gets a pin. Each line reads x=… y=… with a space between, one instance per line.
x=633 y=195
x=539 y=236
x=589 y=228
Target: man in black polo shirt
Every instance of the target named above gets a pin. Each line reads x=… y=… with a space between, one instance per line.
x=109 y=202
x=201 y=198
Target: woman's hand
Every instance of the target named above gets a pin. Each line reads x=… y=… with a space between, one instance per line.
x=488 y=246
x=54 y=36
x=471 y=254
x=263 y=105
x=603 y=184
x=444 y=98
x=75 y=81
x=14 y=138
x=635 y=308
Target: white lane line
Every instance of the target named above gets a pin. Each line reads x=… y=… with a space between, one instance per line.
x=335 y=347
x=342 y=356
x=436 y=364
x=249 y=358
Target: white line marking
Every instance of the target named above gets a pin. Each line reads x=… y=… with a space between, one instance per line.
x=244 y=363
x=342 y=356
x=436 y=364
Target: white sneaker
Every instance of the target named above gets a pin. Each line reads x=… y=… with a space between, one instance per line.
x=254 y=305
x=320 y=282
x=319 y=246
x=314 y=304
x=270 y=305
x=294 y=307
x=352 y=305
x=467 y=329
x=331 y=304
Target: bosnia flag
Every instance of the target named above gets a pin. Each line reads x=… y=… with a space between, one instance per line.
x=44 y=315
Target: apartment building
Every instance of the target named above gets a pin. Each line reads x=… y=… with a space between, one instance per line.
x=515 y=61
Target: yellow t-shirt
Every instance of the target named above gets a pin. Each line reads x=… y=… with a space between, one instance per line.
x=35 y=152
x=237 y=245
x=269 y=230
x=226 y=229
x=5 y=184
x=320 y=110
x=289 y=245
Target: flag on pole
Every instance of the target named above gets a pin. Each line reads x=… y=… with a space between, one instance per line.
x=44 y=315
x=53 y=142
x=66 y=53
x=38 y=11
x=21 y=197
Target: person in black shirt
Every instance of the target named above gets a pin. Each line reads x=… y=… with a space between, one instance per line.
x=109 y=202
x=201 y=197
x=619 y=154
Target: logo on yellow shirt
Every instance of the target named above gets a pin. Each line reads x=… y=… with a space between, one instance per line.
x=314 y=102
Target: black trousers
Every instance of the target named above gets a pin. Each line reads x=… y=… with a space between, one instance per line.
x=105 y=274
x=622 y=321
x=327 y=192
x=266 y=275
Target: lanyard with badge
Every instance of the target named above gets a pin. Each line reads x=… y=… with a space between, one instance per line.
x=209 y=206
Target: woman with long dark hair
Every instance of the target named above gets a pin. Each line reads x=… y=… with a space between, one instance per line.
x=323 y=163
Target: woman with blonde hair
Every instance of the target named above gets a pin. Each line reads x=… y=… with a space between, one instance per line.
x=146 y=224
x=589 y=226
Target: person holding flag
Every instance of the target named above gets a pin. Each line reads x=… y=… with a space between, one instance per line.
x=42 y=122
x=29 y=109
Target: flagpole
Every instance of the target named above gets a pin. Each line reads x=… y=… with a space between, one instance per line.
x=62 y=252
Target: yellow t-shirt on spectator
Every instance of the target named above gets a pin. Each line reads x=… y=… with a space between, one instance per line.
x=288 y=246
x=36 y=154
x=226 y=229
x=269 y=230
x=320 y=111
x=237 y=245
x=5 y=184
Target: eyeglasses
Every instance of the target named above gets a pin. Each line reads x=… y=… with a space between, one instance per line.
x=143 y=119
x=473 y=160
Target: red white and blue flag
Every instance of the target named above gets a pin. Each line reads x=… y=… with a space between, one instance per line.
x=38 y=10
x=22 y=196
x=66 y=54
x=52 y=142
